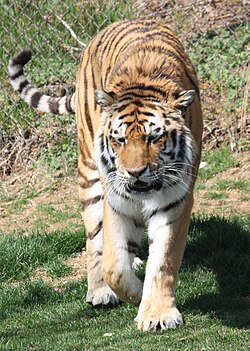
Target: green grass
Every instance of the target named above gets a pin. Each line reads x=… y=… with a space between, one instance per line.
x=217 y=54
x=228 y=184
x=245 y=198
x=54 y=215
x=215 y=195
x=220 y=160
x=21 y=255
x=212 y=294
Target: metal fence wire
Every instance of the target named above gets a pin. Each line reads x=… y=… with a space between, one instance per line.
x=214 y=32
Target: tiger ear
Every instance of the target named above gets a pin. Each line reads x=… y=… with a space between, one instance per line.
x=104 y=99
x=183 y=100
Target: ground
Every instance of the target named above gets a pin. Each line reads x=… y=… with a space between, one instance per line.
x=229 y=201
x=34 y=200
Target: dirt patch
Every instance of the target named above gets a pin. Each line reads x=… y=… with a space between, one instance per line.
x=25 y=199
x=236 y=201
x=78 y=264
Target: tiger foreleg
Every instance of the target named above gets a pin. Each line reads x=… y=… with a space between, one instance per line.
x=166 y=246
x=99 y=293
x=121 y=240
x=91 y=193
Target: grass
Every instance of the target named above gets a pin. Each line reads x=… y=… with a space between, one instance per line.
x=228 y=184
x=214 y=195
x=212 y=293
x=218 y=161
x=54 y=215
x=21 y=255
x=223 y=47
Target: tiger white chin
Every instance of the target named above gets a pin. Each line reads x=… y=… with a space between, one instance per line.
x=142 y=205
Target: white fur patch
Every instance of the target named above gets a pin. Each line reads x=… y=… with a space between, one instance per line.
x=43 y=105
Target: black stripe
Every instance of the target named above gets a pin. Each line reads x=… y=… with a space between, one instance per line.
x=168 y=207
x=22 y=85
x=16 y=75
x=91 y=201
x=35 y=98
x=196 y=87
x=86 y=103
x=68 y=103
x=182 y=57
x=136 y=30
x=92 y=235
x=105 y=75
x=54 y=106
x=145 y=113
x=105 y=161
x=182 y=144
x=93 y=75
x=173 y=204
x=121 y=108
x=102 y=142
x=132 y=247
x=132 y=95
x=89 y=183
x=89 y=165
x=22 y=58
x=138 y=225
x=127 y=123
x=83 y=147
x=121 y=195
x=173 y=135
x=125 y=115
x=144 y=87
x=137 y=103
x=127 y=96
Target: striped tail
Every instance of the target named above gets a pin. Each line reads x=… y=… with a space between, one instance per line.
x=33 y=97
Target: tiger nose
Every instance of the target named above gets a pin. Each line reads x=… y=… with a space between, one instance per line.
x=137 y=172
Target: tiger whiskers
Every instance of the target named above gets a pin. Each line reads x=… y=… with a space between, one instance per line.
x=115 y=185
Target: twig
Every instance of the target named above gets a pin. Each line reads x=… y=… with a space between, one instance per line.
x=71 y=32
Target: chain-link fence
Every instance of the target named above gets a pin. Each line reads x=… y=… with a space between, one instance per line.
x=215 y=34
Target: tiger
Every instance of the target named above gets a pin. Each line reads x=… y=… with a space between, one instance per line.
x=139 y=123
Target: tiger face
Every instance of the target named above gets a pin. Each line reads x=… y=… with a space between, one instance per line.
x=145 y=145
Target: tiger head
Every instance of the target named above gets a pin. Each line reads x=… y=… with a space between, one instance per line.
x=144 y=143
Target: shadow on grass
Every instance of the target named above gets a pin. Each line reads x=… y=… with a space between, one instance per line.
x=222 y=246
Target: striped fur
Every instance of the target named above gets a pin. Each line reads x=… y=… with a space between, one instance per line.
x=139 y=136
x=35 y=99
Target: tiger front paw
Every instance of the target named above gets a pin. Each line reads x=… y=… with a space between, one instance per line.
x=162 y=320
x=102 y=296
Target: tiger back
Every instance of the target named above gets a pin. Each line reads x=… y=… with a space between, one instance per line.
x=139 y=127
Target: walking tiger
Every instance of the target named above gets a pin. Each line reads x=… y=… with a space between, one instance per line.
x=139 y=125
